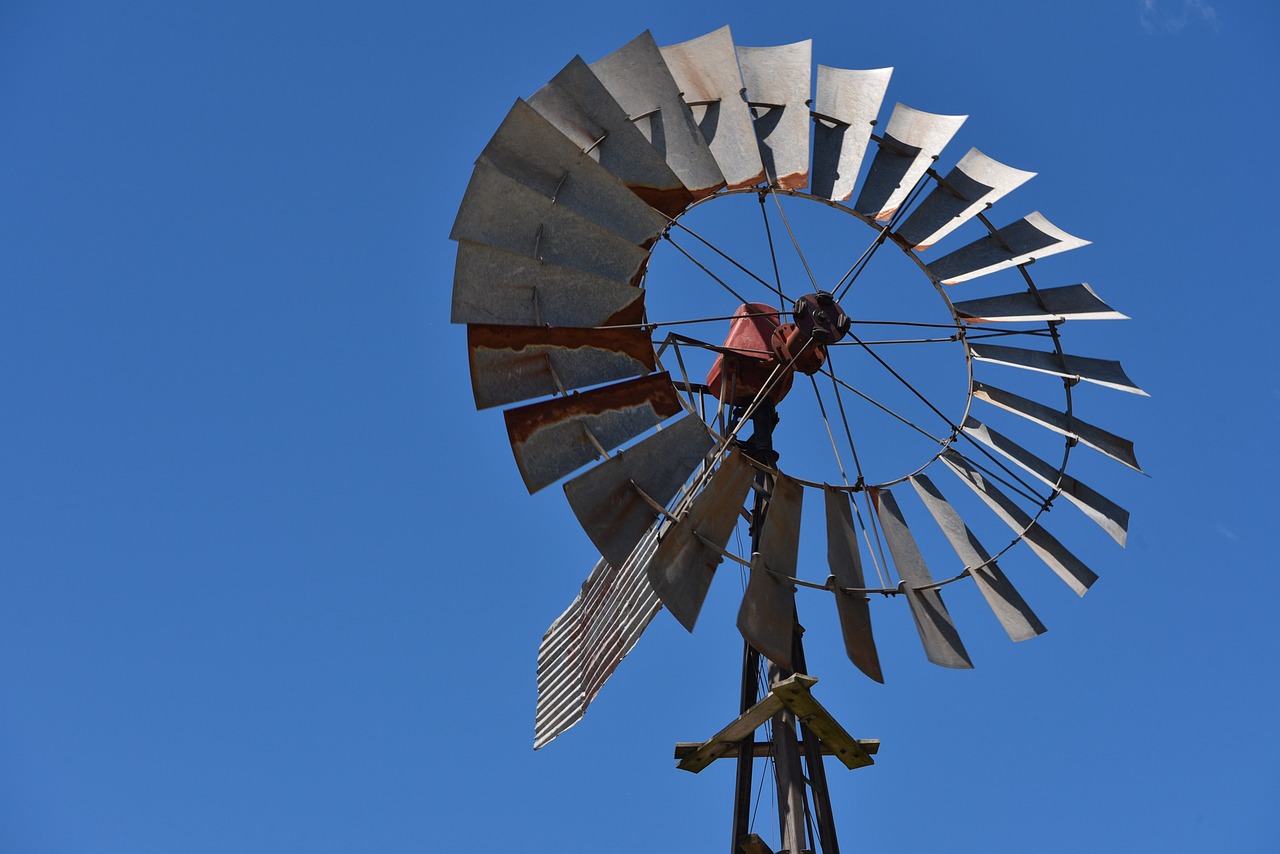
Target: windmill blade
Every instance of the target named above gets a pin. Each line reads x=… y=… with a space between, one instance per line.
x=1107 y=514
x=500 y=211
x=1055 y=555
x=610 y=499
x=579 y=106
x=706 y=70
x=845 y=563
x=554 y=437
x=937 y=631
x=973 y=185
x=639 y=80
x=493 y=285
x=584 y=646
x=912 y=141
x=1103 y=372
x=1071 y=302
x=513 y=363
x=844 y=110
x=531 y=150
x=778 y=82
x=1022 y=242
x=690 y=550
x=767 y=618
x=1110 y=444
x=1014 y=614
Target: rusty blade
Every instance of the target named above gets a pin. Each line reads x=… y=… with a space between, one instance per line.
x=1103 y=511
x=531 y=150
x=576 y=102
x=1055 y=555
x=512 y=363
x=1021 y=242
x=554 y=437
x=496 y=286
x=609 y=500
x=1103 y=372
x=584 y=646
x=972 y=186
x=1014 y=614
x=706 y=70
x=639 y=80
x=1071 y=302
x=778 y=85
x=844 y=110
x=500 y=211
x=937 y=631
x=767 y=617
x=689 y=551
x=845 y=563
x=1110 y=444
x=912 y=141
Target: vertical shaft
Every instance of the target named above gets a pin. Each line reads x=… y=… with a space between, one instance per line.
x=813 y=762
x=787 y=770
x=746 y=750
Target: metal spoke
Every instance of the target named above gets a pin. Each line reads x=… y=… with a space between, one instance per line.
x=703 y=268
x=714 y=249
x=794 y=242
x=773 y=255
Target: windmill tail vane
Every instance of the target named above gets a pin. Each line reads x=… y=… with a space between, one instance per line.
x=589 y=177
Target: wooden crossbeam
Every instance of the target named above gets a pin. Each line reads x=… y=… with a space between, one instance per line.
x=764 y=749
x=791 y=693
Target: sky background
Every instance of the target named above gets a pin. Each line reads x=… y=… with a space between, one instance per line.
x=269 y=583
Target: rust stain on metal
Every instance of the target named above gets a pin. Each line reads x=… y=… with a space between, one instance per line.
x=631 y=342
x=669 y=202
x=655 y=390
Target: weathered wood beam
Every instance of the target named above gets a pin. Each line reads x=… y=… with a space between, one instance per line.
x=791 y=693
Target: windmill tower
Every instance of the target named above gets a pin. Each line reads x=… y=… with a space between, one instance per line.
x=676 y=410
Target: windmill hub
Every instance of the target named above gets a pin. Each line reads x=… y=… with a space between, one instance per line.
x=817 y=321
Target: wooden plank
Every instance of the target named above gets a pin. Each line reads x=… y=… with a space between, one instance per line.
x=765 y=748
x=744 y=726
x=792 y=693
x=795 y=695
x=753 y=844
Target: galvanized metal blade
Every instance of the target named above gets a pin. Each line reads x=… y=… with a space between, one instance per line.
x=845 y=563
x=579 y=105
x=493 y=285
x=554 y=437
x=1107 y=514
x=534 y=152
x=937 y=631
x=1055 y=555
x=500 y=211
x=610 y=499
x=767 y=618
x=1071 y=302
x=706 y=70
x=1014 y=614
x=639 y=80
x=912 y=141
x=844 y=110
x=1113 y=446
x=690 y=550
x=584 y=646
x=778 y=83
x=1022 y=242
x=972 y=186
x=513 y=363
x=1103 y=372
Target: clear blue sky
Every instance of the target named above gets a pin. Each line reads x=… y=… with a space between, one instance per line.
x=269 y=583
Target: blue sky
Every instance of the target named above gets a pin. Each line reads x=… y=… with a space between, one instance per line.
x=268 y=582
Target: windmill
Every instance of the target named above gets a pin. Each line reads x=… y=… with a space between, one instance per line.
x=666 y=420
